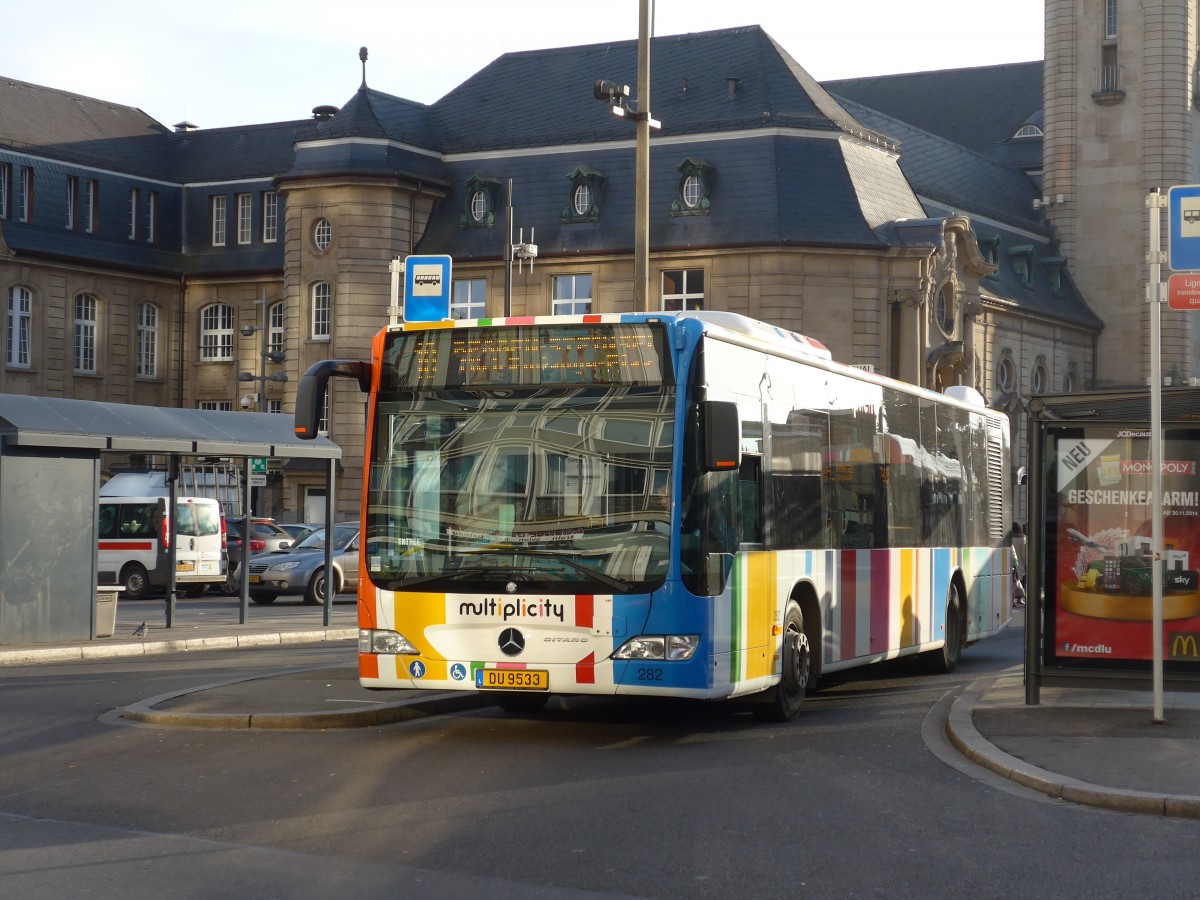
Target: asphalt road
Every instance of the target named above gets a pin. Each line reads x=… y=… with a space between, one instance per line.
x=593 y=797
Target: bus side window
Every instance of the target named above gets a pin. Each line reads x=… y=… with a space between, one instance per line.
x=750 y=500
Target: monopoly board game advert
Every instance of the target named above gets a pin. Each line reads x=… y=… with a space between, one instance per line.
x=1099 y=561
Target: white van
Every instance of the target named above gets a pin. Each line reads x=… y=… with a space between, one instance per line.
x=135 y=535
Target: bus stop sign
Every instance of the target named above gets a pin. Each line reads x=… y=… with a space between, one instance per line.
x=426 y=288
x=1183 y=227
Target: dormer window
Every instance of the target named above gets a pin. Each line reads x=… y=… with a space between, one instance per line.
x=587 y=196
x=1054 y=267
x=989 y=249
x=695 y=188
x=1021 y=259
x=582 y=202
x=1028 y=131
x=482 y=202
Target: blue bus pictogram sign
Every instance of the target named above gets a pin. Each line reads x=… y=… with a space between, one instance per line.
x=1183 y=227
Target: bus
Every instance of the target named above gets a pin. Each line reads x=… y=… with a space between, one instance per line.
x=691 y=504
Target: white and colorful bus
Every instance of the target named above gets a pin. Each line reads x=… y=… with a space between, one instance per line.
x=680 y=504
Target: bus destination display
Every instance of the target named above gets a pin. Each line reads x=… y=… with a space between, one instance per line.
x=603 y=354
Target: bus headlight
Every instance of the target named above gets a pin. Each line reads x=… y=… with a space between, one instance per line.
x=387 y=643
x=667 y=647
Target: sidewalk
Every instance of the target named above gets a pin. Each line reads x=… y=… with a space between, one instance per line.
x=211 y=622
x=1096 y=747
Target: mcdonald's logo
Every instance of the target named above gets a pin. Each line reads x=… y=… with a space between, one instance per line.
x=1184 y=645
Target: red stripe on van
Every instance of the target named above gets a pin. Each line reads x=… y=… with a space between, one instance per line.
x=126 y=545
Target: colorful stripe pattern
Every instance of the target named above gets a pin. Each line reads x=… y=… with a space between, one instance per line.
x=874 y=604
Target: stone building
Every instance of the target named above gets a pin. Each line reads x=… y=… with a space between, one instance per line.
x=158 y=266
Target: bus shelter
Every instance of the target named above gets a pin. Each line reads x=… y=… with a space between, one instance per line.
x=1089 y=620
x=50 y=453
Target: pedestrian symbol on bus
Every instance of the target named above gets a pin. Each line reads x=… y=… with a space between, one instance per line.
x=416 y=669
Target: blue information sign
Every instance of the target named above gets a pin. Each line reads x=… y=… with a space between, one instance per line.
x=426 y=288
x=1183 y=227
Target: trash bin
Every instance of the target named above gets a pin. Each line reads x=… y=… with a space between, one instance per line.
x=106 y=609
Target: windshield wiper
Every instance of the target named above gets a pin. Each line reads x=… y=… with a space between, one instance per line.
x=603 y=577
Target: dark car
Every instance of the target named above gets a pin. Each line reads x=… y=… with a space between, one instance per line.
x=265 y=537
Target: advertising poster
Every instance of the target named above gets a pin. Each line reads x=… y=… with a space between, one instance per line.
x=1098 y=539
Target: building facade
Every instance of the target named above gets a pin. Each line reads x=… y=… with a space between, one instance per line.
x=200 y=267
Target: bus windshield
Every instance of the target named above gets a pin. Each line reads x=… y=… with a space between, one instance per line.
x=559 y=489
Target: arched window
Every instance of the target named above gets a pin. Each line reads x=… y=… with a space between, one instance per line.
x=147 y=341
x=320 y=311
x=276 y=339
x=216 y=333
x=84 y=334
x=18 y=331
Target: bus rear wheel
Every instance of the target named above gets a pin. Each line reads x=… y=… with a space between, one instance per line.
x=788 y=696
x=945 y=660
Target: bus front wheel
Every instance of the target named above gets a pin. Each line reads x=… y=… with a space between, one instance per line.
x=788 y=696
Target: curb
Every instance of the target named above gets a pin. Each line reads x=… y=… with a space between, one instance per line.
x=960 y=729
x=432 y=703
x=88 y=651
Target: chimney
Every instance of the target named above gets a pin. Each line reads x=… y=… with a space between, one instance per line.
x=185 y=126
x=731 y=87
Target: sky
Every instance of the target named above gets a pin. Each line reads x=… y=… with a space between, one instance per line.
x=236 y=62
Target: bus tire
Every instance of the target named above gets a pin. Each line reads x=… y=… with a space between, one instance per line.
x=518 y=702
x=314 y=594
x=945 y=660
x=788 y=696
x=135 y=581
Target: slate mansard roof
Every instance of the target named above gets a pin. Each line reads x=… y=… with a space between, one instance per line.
x=791 y=162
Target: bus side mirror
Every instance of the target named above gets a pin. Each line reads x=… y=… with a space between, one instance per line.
x=310 y=393
x=722 y=430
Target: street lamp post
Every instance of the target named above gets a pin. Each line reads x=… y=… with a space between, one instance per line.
x=616 y=95
x=266 y=355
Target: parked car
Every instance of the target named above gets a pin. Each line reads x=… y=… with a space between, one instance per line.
x=265 y=537
x=301 y=569
x=300 y=530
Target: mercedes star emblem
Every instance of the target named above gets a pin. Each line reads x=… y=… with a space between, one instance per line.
x=512 y=642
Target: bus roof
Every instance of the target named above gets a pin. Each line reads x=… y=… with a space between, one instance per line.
x=728 y=321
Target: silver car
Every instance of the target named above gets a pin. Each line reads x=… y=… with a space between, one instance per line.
x=301 y=568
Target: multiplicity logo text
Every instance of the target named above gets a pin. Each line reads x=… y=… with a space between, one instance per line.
x=512 y=609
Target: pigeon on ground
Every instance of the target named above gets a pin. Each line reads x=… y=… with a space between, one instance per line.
x=140 y=631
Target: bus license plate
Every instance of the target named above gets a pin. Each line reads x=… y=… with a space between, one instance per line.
x=512 y=679
x=188 y=566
